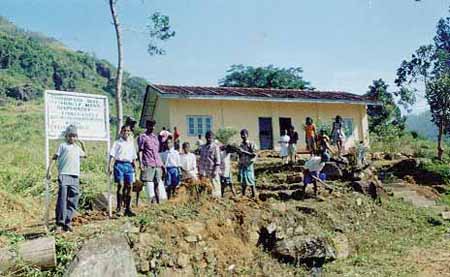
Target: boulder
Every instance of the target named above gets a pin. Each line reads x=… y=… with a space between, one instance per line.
x=332 y=171
x=100 y=202
x=445 y=215
x=308 y=250
x=340 y=242
x=294 y=178
x=370 y=188
x=109 y=255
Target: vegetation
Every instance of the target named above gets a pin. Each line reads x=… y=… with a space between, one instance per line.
x=429 y=65
x=31 y=63
x=224 y=135
x=265 y=77
x=158 y=30
x=388 y=113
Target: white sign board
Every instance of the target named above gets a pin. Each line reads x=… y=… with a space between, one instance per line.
x=88 y=112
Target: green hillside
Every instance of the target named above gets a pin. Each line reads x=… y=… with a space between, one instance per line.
x=31 y=63
x=422 y=124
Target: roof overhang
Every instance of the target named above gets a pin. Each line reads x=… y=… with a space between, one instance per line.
x=259 y=99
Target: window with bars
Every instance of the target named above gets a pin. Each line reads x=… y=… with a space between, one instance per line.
x=198 y=124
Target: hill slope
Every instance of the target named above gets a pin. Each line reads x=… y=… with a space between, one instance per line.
x=31 y=63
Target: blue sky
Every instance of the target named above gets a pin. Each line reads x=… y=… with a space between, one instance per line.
x=341 y=45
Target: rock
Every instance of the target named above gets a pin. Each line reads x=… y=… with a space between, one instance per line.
x=194 y=229
x=191 y=238
x=147 y=239
x=294 y=178
x=100 y=202
x=24 y=93
x=144 y=266
x=445 y=215
x=103 y=69
x=359 y=201
x=370 y=188
x=308 y=250
x=342 y=246
x=109 y=255
x=388 y=157
x=231 y=267
x=441 y=189
x=299 y=230
x=182 y=260
x=332 y=171
x=376 y=156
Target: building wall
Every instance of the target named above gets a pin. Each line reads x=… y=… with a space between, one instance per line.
x=245 y=114
x=162 y=114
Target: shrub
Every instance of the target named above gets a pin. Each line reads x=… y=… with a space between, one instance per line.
x=224 y=135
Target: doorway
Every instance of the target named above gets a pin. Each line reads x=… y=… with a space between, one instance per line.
x=285 y=123
x=265 y=133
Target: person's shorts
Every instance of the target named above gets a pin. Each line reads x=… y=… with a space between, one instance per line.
x=292 y=149
x=309 y=177
x=149 y=173
x=310 y=143
x=172 y=177
x=225 y=181
x=123 y=172
x=247 y=175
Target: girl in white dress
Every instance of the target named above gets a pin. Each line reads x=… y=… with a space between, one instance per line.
x=284 y=144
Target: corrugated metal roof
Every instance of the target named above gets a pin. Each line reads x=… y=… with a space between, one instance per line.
x=263 y=93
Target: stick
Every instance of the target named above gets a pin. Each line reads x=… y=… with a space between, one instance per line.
x=323 y=183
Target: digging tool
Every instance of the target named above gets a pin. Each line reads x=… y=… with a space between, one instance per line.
x=328 y=187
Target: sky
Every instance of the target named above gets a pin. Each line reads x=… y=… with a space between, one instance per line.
x=341 y=45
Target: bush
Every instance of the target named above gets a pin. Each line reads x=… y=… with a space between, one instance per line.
x=224 y=135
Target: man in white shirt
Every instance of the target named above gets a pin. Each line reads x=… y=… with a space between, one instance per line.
x=313 y=167
x=172 y=164
x=188 y=163
x=122 y=163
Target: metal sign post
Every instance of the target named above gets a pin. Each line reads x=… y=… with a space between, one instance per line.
x=89 y=113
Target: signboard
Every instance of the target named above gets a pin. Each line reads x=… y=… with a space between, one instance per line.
x=88 y=112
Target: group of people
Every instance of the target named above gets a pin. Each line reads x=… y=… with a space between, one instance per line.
x=162 y=166
x=163 y=163
x=316 y=142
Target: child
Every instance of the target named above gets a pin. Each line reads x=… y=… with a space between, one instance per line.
x=284 y=144
x=337 y=134
x=188 y=163
x=68 y=157
x=310 y=135
x=323 y=143
x=172 y=165
x=225 y=170
x=209 y=166
x=361 y=150
x=293 y=139
x=313 y=167
x=247 y=156
x=122 y=163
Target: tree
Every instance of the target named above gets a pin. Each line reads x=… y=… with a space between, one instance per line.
x=438 y=97
x=386 y=114
x=224 y=135
x=158 y=29
x=119 y=74
x=265 y=77
x=429 y=66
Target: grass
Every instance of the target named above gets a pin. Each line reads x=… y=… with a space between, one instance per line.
x=383 y=238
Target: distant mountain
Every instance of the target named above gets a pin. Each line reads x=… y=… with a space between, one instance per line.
x=422 y=124
x=31 y=62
